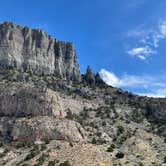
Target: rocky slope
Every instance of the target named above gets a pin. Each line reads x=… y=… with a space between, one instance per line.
x=46 y=120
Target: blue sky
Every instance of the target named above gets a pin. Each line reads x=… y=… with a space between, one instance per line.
x=123 y=39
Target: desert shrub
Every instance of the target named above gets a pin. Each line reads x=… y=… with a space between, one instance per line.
x=66 y=163
x=23 y=144
x=119 y=155
x=20 y=145
x=137 y=116
x=52 y=163
x=101 y=141
x=35 y=151
x=79 y=118
x=71 y=144
x=120 y=130
x=164 y=140
x=43 y=147
x=165 y=159
x=30 y=156
x=111 y=148
x=140 y=164
x=25 y=164
x=70 y=115
x=41 y=160
x=1 y=144
x=2 y=155
x=94 y=141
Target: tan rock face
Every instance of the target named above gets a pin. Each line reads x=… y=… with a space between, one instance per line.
x=29 y=101
x=35 y=51
x=43 y=128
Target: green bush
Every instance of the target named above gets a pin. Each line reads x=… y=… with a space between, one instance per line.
x=137 y=116
x=2 y=155
x=43 y=147
x=164 y=140
x=52 y=163
x=35 y=151
x=23 y=144
x=120 y=130
x=71 y=115
x=119 y=155
x=1 y=144
x=41 y=160
x=113 y=146
x=94 y=141
x=110 y=149
x=165 y=159
x=140 y=164
x=25 y=164
x=66 y=163
x=71 y=144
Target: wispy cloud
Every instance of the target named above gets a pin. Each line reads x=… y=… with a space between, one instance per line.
x=141 y=52
x=153 y=86
x=148 y=40
x=135 y=3
x=155 y=93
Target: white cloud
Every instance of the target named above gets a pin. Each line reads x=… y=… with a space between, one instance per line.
x=109 y=77
x=148 y=40
x=162 y=28
x=125 y=81
x=154 y=86
x=141 y=52
x=155 y=93
x=135 y=3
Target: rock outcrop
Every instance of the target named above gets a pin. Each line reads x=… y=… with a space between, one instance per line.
x=35 y=51
x=41 y=128
x=29 y=101
x=47 y=128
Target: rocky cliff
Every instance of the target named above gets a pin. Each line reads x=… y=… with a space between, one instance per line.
x=35 y=51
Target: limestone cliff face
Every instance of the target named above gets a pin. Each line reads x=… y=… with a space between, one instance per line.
x=29 y=101
x=35 y=51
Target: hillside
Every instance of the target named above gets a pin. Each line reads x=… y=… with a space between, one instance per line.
x=50 y=114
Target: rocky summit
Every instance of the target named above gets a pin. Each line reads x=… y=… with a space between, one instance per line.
x=51 y=115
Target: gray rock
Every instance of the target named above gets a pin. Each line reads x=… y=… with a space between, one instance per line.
x=25 y=101
x=47 y=128
x=35 y=51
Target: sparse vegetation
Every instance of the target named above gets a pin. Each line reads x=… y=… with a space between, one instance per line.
x=43 y=147
x=164 y=140
x=140 y=164
x=110 y=149
x=120 y=130
x=119 y=155
x=52 y=163
x=94 y=141
x=23 y=145
x=35 y=151
x=66 y=163
x=41 y=160
x=165 y=159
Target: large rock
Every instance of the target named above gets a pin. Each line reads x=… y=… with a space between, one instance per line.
x=41 y=128
x=22 y=101
x=35 y=51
